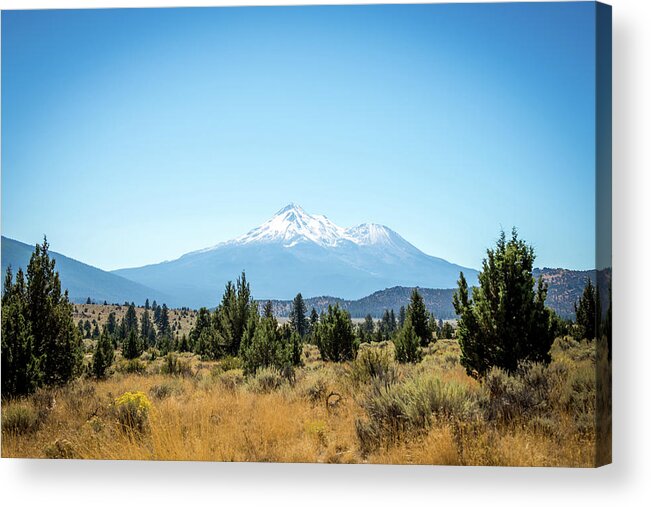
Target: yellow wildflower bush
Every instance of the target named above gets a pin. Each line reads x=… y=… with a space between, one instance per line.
x=133 y=410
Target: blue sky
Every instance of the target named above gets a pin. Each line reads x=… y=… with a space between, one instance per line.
x=134 y=136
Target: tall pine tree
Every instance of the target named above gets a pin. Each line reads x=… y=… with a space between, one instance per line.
x=588 y=313
x=147 y=332
x=233 y=313
x=103 y=355
x=56 y=337
x=40 y=342
x=418 y=315
x=298 y=316
x=21 y=366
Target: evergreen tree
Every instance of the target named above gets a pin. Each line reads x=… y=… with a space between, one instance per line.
x=265 y=344
x=434 y=329
x=87 y=329
x=49 y=311
x=165 y=344
x=96 y=332
x=334 y=335
x=506 y=320
x=21 y=368
x=111 y=324
x=447 y=331
x=147 y=333
x=201 y=323
x=402 y=315
x=233 y=313
x=314 y=320
x=103 y=355
x=367 y=329
x=298 y=316
x=393 y=324
x=407 y=344
x=40 y=342
x=293 y=342
x=588 y=313
x=387 y=325
x=157 y=313
x=268 y=309
x=147 y=304
x=418 y=314
x=164 y=329
x=184 y=345
x=132 y=346
x=88 y=301
x=129 y=323
x=203 y=337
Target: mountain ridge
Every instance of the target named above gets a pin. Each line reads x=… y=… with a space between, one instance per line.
x=564 y=289
x=80 y=279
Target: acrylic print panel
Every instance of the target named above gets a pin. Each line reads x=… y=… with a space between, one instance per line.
x=336 y=234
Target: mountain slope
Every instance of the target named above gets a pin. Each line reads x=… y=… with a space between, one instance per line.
x=81 y=280
x=294 y=252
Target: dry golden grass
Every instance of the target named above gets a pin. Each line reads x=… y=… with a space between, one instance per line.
x=220 y=416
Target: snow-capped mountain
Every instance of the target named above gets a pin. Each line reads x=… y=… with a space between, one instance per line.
x=295 y=251
x=292 y=225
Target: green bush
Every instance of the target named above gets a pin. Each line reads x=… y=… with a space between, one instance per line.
x=80 y=395
x=443 y=354
x=409 y=407
x=44 y=402
x=523 y=393
x=130 y=366
x=407 y=344
x=373 y=364
x=316 y=390
x=266 y=380
x=265 y=344
x=60 y=449
x=174 y=365
x=335 y=336
x=231 y=379
x=19 y=419
x=229 y=363
x=165 y=390
x=567 y=348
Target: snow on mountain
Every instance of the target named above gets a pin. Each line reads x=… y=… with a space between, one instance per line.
x=292 y=225
x=295 y=251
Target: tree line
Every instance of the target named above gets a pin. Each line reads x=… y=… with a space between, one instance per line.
x=501 y=322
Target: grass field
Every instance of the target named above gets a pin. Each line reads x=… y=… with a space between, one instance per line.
x=371 y=410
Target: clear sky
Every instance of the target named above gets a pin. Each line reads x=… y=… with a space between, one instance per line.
x=134 y=136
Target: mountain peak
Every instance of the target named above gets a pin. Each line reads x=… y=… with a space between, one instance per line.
x=291 y=207
x=292 y=225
